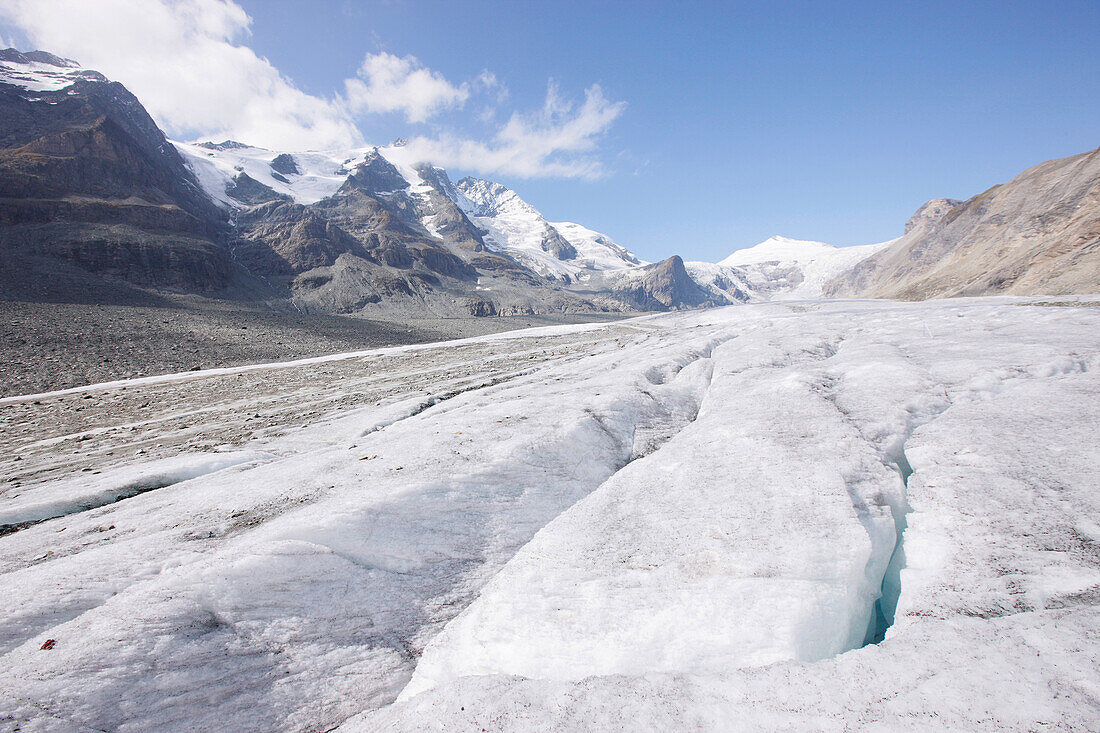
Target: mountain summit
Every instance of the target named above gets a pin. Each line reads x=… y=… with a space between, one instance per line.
x=778 y=249
x=561 y=250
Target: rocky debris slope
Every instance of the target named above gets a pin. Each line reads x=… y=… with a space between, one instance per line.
x=1037 y=234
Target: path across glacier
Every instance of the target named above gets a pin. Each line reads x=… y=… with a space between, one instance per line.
x=673 y=516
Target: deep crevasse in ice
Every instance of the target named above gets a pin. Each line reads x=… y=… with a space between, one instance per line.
x=761 y=532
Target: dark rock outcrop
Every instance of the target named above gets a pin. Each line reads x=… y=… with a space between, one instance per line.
x=663 y=286
x=284 y=163
x=223 y=145
x=375 y=176
x=556 y=245
x=284 y=238
x=247 y=190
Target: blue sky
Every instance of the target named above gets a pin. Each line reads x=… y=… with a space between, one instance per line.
x=717 y=124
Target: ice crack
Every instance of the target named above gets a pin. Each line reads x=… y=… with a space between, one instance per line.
x=886 y=605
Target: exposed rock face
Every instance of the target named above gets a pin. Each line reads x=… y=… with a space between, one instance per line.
x=247 y=190
x=376 y=175
x=386 y=224
x=223 y=145
x=92 y=138
x=663 y=286
x=930 y=213
x=1038 y=234
x=556 y=245
x=448 y=221
x=284 y=163
x=40 y=57
x=87 y=178
x=283 y=238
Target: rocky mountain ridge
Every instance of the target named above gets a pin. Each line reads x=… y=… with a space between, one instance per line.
x=1038 y=234
x=369 y=232
x=90 y=185
x=96 y=204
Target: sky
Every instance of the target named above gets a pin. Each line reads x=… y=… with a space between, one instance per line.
x=691 y=128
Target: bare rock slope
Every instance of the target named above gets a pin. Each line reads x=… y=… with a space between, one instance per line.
x=91 y=189
x=1038 y=234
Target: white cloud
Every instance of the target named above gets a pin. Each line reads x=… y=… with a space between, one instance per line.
x=559 y=141
x=183 y=61
x=188 y=63
x=388 y=83
x=487 y=81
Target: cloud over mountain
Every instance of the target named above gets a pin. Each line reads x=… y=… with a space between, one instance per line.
x=190 y=64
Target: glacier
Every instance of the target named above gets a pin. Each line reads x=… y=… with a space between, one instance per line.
x=788 y=515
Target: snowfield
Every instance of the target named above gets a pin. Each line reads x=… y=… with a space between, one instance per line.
x=38 y=72
x=784 y=516
x=795 y=269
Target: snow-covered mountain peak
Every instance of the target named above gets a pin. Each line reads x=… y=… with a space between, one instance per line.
x=38 y=71
x=785 y=268
x=224 y=145
x=561 y=250
x=779 y=249
x=493 y=199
